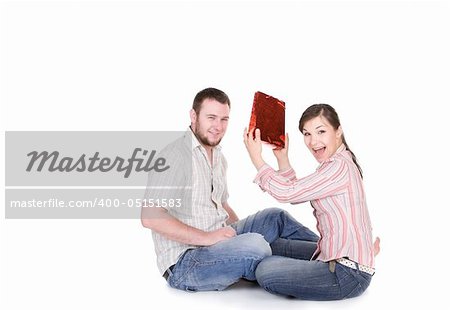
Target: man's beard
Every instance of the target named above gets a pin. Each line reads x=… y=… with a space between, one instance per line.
x=202 y=138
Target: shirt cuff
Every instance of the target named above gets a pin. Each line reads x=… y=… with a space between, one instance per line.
x=288 y=174
x=263 y=175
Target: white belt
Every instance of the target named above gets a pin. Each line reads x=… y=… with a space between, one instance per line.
x=353 y=265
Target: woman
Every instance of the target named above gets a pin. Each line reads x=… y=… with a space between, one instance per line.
x=342 y=264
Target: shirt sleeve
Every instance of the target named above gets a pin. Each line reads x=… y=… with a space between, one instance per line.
x=289 y=174
x=331 y=179
x=170 y=188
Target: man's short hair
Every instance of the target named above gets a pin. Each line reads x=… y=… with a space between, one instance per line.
x=209 y=93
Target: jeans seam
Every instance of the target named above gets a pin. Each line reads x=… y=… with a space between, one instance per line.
x=210 y=263
x=183 y=276
x=214 y=262
x=357 y=287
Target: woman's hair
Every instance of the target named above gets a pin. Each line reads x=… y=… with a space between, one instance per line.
x=332 y=117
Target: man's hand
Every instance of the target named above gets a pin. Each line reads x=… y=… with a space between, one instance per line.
x=220 y=234
x=160 y=221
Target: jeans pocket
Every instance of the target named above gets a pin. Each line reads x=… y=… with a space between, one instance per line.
x=182 y=270
x=180 y=278
x=351 y=281
x=357 y=290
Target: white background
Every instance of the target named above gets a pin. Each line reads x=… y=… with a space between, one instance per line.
x=384 y=65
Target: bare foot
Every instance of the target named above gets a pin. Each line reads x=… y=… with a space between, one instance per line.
x=376 y=246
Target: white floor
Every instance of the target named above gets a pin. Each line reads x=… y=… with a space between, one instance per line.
x=246 y=295
x=75 y=264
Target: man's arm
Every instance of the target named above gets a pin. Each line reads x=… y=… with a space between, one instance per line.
x=160 y=221
x=232 y=216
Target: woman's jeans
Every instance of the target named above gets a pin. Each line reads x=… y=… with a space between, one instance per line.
x=310 y=280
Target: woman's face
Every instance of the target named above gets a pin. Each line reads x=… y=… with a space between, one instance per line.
x=321 y=138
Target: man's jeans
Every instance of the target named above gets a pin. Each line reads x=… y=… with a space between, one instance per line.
x=216 y=267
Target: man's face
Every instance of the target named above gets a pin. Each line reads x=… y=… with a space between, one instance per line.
x=210 y=124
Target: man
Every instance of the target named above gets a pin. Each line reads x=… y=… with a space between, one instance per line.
x=199 y=241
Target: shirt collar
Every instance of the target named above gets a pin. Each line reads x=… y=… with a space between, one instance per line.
x=339 y=150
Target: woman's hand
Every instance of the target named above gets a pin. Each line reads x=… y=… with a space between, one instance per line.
x=254 y=147
x=282 y=155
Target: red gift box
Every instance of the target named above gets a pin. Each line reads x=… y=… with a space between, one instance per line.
x=268 y=115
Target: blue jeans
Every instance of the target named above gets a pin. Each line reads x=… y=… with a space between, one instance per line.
x=218 y=266
x=310 y=280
